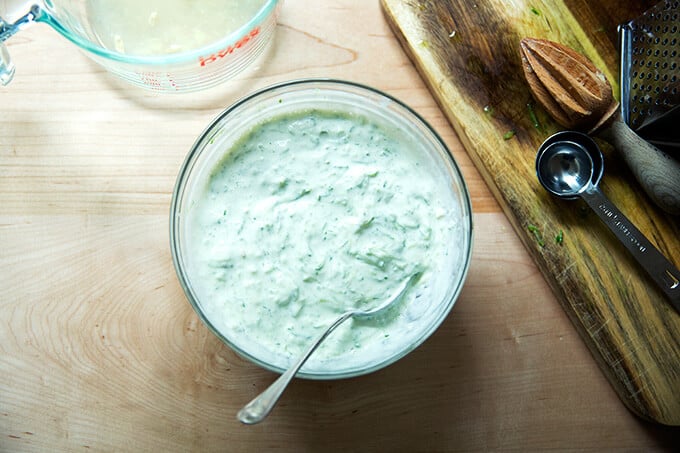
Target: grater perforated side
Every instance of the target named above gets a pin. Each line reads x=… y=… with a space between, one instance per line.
x=650 y=74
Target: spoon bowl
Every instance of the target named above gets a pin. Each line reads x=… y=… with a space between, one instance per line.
x=565 y=169
x=569 y=162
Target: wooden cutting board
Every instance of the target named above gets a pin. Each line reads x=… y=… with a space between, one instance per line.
x=468 y=54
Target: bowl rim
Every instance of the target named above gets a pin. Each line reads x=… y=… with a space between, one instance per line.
x=196 y=149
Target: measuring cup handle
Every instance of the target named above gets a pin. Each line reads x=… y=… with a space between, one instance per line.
x=662 y=271
x=6 y=30
x=6 y=65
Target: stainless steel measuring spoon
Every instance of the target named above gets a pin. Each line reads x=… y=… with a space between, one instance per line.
x=569 y=165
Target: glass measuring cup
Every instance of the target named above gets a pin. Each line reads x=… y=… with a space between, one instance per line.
x=196 y=59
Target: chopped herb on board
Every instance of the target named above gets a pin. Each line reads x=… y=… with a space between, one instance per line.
x=532 y=115
x=559 y=237
x=537 y=234
x=535 y=11
x=508 y=135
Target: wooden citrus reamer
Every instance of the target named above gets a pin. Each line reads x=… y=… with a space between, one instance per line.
x=578 y=96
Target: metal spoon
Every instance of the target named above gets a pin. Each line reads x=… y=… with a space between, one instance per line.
x=569 y=165
x=261 y=405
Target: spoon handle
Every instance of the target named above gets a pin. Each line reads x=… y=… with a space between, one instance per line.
x=662 y=271
x=256 y=411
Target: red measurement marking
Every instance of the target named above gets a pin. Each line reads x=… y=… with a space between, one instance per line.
x=149 y=79
x=229 y=50
x=171 y=81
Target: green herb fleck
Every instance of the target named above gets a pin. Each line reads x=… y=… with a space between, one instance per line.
x=537 y=234
x=365 y=224
x=559 y=239
x=488 y=111
x=425 y=43
x=508 y=135
x=534 y=118
x=302 y=193
x=536 y=11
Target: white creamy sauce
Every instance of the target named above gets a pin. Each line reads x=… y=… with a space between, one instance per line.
x=310 y=214
x=159 y=27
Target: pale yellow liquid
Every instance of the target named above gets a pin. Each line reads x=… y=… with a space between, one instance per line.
x=161 y=27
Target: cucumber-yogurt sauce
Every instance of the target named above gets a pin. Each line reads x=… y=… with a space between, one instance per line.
x=311 y=213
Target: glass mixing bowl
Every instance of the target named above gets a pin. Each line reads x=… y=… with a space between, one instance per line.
x=420 y=312
x=203 y=49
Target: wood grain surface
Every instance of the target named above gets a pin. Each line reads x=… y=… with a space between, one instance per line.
x=100 y=350
x=469 y=57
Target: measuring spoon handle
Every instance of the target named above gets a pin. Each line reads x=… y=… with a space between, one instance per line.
x=662 y=271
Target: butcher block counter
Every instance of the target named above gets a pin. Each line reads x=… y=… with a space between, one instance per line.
x=100 y=350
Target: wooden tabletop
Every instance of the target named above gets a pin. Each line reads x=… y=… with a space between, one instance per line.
x=100 y=350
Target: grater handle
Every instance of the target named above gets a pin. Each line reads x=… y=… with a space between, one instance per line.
x=657 y=172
